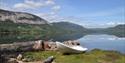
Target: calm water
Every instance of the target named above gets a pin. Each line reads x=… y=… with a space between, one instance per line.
x=105 y=42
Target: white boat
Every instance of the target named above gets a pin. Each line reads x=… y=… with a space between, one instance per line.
x=70 y=49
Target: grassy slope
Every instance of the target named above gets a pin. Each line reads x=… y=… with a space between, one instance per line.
x=94 y=56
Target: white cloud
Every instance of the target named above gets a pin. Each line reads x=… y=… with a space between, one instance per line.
x=38 y=4
x=49 y=17
x=111 y=23
x=32 y=4
x=50 y=2
x=29 y=4
x=56 y=8
x=56 y=18
x=108 y=12
x=4 y=6
x=114 y=23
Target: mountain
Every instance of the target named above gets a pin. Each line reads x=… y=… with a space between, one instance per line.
x=24 y=22
x=67 y=25
x=120 y=27
x=118 y=30
x=20 y=26
x=60 y=31
x=70 y=26
x=20 y=17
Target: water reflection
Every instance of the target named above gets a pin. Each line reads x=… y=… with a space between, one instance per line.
x=105 y=42
x=10 y=37
x=100 y=41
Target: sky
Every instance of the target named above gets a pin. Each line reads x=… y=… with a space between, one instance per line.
x=88 y=13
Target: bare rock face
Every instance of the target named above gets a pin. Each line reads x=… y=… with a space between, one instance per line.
x=21 y=17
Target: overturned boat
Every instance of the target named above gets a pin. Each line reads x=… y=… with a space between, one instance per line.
x=63 y=48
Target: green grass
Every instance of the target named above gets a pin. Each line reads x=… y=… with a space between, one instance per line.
x=94 y=56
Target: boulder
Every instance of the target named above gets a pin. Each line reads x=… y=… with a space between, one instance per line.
x=49 y=60
x=20 y=57
x=50 y=46
x=71 y=42
x=38 y=45
x=12 y=60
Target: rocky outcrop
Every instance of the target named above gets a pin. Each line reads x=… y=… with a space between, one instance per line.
x=21 y=17
x=22 y=46
x=71 y=42
x=34 y=46
x=28 y=46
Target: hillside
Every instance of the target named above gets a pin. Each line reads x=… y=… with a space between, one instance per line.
x=32 y=27
x=70 y=26
x=20 y=17
x=118 y=30
x=12 y=29
x=118 y=27
x=22 y=22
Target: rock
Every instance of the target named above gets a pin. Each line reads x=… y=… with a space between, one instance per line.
x=38 y=45
x=20 y=62
x=34 y=45
x=12 y=60
x=71 y=42
x=49 y=60
x=23 y=46
x=20 y=46
x=50 y=46
x=19 y=57
x=76 y=42
x=46 y=45
x=26 y=60
x=53 y=46
x=3 y=59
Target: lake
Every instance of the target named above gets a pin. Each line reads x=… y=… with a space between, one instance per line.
x=99 y=41
x=105 y=42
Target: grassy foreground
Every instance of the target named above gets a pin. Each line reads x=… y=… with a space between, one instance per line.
x=94 y=56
